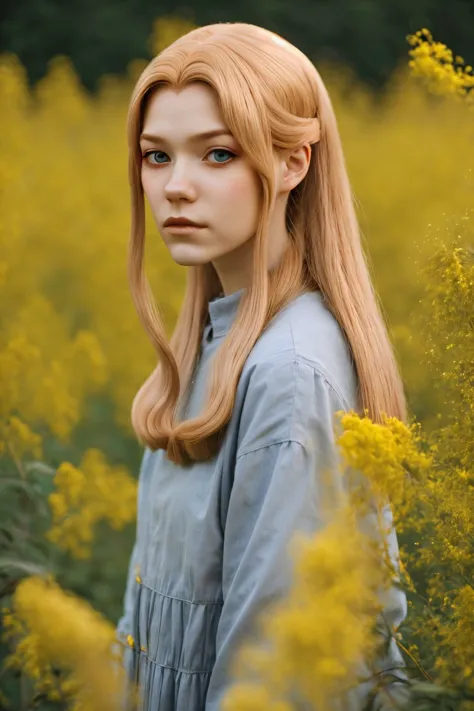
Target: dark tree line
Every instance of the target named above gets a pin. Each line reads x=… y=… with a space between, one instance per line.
x=102 y=36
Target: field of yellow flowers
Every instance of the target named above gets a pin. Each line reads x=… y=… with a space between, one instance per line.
x=72 y=355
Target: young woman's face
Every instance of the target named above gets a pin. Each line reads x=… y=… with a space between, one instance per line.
x=207 y=180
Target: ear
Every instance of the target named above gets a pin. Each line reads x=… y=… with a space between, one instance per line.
x=294 y=166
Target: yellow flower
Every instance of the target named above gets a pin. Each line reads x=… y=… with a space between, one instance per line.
x=22 y=439
x=86 y=495
x=435 y=63
x=54 y=630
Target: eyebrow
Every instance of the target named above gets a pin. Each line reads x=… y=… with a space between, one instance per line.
x=195 y=137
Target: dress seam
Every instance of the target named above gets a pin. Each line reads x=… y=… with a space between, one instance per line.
x=165 y=666
x=181 y=599
x=284 y=440
x=317 y=368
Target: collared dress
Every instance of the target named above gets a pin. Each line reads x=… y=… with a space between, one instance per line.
x=211 y=548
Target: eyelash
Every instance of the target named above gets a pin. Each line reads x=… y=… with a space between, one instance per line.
x=226 y=150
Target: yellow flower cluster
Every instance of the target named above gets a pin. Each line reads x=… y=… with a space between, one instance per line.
x=450 y=346
x=433 y=498
x=450 y=506
x=55 y=632
x=85 y=495
x=43 y=383
x=18 y=439
x=322 y=635
x=45 y=372
x=16 y=359
x=450 y=357
x=388 y=456
x=434 y=62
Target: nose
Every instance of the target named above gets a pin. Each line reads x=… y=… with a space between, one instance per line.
x=179 y=191
x=179 y=185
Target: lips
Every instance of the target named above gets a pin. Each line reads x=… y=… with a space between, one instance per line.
x=183 y=222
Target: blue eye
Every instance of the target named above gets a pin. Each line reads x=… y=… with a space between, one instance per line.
x=214 y=150
x=153 y=153
x=222 y=150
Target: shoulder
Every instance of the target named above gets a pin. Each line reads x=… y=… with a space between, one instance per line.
x=298 y=375
x=306 y=333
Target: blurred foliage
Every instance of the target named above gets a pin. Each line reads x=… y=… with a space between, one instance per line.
x=73 y=353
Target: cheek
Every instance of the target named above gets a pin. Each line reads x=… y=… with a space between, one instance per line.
x=147 y=184
x=239 y=207
x=244 y=189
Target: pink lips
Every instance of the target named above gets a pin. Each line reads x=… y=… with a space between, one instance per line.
x=180 y=222
x=176 y=228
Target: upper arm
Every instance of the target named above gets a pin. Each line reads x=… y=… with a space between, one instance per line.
x=289 y=400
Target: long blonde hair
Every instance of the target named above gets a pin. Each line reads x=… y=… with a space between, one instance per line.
x=271 y=97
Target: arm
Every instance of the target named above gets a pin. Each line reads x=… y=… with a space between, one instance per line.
x=277 y=490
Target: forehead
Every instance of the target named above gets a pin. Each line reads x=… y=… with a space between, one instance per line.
x=195 y=106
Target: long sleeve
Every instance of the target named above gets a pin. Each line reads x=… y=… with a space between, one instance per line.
x=286 y=441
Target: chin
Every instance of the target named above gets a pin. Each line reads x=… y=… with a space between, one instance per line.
x=190 y=262
x=189 y=257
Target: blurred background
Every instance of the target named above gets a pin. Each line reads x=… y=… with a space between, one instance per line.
x=102 y=37
x=72 y=350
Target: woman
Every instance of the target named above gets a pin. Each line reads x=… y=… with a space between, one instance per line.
x=231 y=128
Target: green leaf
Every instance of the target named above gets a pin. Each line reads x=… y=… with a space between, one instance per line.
x=39 y=467
x=22 y=566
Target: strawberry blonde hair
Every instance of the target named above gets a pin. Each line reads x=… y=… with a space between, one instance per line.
x=272 y=98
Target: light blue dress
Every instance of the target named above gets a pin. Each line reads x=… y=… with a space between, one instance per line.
x=211 y=545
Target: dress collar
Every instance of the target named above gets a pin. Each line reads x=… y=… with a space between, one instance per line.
x=222 y=312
